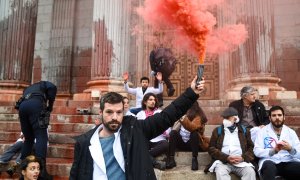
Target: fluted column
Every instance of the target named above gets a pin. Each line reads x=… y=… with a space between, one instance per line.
x=59 y=65
x=254 y=62
x=17 y=37
x=111 y=33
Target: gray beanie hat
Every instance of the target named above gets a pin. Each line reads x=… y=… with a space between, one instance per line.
x=229 y=112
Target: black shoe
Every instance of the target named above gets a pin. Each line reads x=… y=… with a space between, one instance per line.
x=171 y=92
x=159 y=165
x=194 y=163
x=170 y=162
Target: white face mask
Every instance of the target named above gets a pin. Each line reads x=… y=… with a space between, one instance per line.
x=237 y=119
x=227 y=123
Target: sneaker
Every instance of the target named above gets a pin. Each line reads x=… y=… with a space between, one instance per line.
x=170 y=162
x=194 y=163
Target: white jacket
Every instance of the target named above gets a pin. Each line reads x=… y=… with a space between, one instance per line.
x=142 y=116
x=98 y=158
x=138 y=92
x=267 y=139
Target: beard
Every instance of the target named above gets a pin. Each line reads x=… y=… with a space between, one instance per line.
x=277 y=124
x=112 y=126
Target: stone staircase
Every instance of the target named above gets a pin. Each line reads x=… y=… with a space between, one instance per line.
x=67 y=122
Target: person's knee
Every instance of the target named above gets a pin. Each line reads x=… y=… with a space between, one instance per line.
x=249 y=172
x=268 y=165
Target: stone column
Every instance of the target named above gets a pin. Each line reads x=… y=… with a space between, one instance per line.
x=58 y=67
x=253 y=63
x=17 y=37
x=111 y=35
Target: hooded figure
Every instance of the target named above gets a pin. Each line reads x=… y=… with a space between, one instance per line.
x=162 y=60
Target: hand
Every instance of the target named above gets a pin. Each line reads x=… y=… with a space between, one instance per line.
x=234 y=159
x=125 y=76
x=198 y=88
x=159 y=76
x=284 y=145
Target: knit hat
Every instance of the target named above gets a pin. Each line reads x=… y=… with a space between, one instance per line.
x=229 y=112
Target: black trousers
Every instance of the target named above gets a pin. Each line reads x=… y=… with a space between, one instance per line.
x=29 y=113
x=176 y=142
x=288 y=170
x=158 y=148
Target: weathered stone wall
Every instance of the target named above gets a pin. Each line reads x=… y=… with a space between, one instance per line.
x=287 y=42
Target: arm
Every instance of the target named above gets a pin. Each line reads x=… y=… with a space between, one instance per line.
x=259 y=148
x=160 y=88
x=213 y=150
x=129 y=90
x=191 y=125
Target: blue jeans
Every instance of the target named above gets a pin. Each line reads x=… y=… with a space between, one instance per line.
x=12 y=151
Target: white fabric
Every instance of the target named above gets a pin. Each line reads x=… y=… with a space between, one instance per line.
x=231 y=146
x=185 y=134
x=138 y=92
x=142 y=116
x=128 y=113
x=97 y=154
x=266 y=140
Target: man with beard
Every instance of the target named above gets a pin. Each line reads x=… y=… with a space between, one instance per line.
x=158 y=145
x=278 y=148
x=118 y=148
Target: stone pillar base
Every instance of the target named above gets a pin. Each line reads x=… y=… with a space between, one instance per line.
x=104 y=86
x=267 y=87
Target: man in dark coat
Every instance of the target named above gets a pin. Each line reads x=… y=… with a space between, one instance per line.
x=251 y=112
x=37 y=101
x=118 y=149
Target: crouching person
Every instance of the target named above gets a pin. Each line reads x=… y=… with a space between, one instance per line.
x=231 y=149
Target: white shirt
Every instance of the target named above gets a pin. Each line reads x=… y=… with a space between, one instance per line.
x=267 y=139
x=97 y=154
x=139 y=95
x=231 y=146
x=185 y=134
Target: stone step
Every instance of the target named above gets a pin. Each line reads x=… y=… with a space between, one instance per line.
x=54 y=150
x=59 y=118
x=54 y=127
x=184 y=172
x=56 y=138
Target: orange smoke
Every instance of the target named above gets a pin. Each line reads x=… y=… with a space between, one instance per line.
x=193 y=25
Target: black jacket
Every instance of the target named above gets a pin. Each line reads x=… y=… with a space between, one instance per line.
x=258 y=110
x=134 y=140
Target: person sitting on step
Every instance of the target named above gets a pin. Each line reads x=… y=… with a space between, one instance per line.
x=158 y=145
x=190 y=137
x=231 y=149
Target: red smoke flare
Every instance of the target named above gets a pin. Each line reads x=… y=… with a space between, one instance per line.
x=193 y=24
